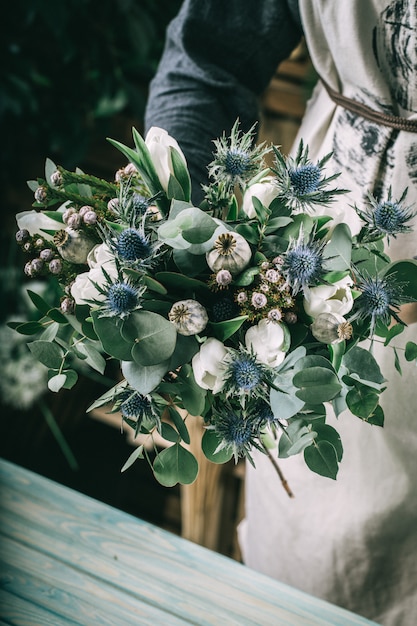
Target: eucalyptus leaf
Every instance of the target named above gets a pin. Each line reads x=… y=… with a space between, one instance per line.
x=179 y=424
x=50 y=354
x=316 y=385
x=136 y=454
x=410 y=351
x=362 y=401
x=144 y=379
x=92 y=357
x=338 y=252
x=321 y=458
x=192 y=395
x=153 y=337
x=223 y=330
x=169 y=433
x=108 y=330
x=175 y=465
x=362 y=362
x=210 y=443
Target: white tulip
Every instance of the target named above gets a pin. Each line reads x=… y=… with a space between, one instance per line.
x=335 y=298
x=159 y=144
x=35 y=222
x=269 y=341
x=209 y=366
x=265 y=191
x=83 y=288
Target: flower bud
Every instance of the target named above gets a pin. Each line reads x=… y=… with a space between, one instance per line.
x=55 y=266
x=56 y=179
x=90 y=218
x=41 y=195
x=67 y=214
x=113 y=205
x=74 y=221
x=46 y=254
x=84 y=209
x=37 y=265
x=67 y=305
x=22 y=235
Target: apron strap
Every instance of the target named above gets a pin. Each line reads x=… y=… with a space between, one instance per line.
x=399 y=123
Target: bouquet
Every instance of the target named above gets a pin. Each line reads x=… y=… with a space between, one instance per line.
x=255 y=311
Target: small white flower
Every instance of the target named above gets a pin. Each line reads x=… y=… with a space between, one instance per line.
x=208 y=365
x=83 y=288
x=159 y=144
x=265 y=191
x=269 y=341
x=335 y=298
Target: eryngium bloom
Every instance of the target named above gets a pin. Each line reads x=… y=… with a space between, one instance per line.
x=236 y=428
x=302 y=184
x=237 y=158
x=379 y=300
x=386 y=218
x=303 y=264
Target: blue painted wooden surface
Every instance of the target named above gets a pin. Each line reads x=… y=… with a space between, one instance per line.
x=68 y=559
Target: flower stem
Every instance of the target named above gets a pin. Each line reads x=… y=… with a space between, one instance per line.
x=279 y=472
x=59 y=437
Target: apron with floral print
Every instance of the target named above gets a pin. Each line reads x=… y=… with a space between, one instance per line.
x=353 y=541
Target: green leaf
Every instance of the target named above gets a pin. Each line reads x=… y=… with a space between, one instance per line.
x=316 y=385
x=57 y=316
x=397 y=363
x=181 y=174
x=179 y=282
x=284 y=402
x=50 y=354
x=153 y=284
x=404 y=272
x=136 y=454
x=27 y=328
x=144 y=379
x=294 y=433
x=65 y=380
x=410 y=351
x=108 y=330
x=39 y=302
x=362 y=401
x=338 y=252
x=57 y=382
x=175 y=465
x=92 y=357
x=277 y=222
x=209 y=444
x=362 y=362
x=336 y=352
x=247 y=277
x=321 y=458
x=249 y=231
x=192 y=395
x=227 y=328
x=153 y=337
x=179 y=424
x=394 y=331
x=169 y=433
x=328 y=433
x=377 y=417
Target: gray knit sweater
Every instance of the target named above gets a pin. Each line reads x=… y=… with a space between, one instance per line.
x=218 y=58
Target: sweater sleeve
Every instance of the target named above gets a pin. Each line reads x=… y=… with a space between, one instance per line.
x=218 y=58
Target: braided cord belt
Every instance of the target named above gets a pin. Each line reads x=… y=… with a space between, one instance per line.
x=400 y=123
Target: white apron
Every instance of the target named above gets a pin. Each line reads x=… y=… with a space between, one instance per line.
x=353 y=541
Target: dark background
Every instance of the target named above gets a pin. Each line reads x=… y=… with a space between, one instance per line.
x=73 y=72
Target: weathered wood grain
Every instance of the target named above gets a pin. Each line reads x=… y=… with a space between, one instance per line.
x=68 y=559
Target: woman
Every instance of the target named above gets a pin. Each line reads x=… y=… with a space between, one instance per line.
x=353 y=541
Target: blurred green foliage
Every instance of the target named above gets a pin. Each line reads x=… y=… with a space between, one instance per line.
x=67 y=67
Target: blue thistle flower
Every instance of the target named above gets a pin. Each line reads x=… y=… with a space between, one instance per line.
x=379 y=300
x=305 y=179
x=133 y=245
x=237 y=159
x=135 y=406
x=122 y=299
x=303 y=264
x=236 y=430
x=301 y=184
x=386 y=218
x=237 y=162
x=245 y=373
x=137 y=410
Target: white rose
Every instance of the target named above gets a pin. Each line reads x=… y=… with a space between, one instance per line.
x=265 y=191
x=335 y=298
x=159 y=144
x=269 y=341
x=35 y=222
x=83 y=288
x=208 y=365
